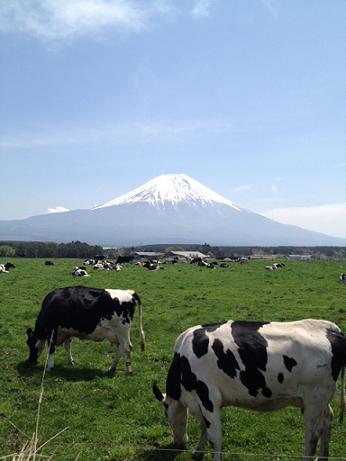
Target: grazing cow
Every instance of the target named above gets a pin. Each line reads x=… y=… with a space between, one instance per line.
x=259 y=366
x=48 y=263
x=87 y=313
x=342 y=277
x=80 y=272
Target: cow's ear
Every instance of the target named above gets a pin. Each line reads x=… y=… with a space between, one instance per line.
x=157 y=393
x=29 y=332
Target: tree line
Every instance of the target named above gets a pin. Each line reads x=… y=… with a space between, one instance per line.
x=79 y=249
x=49 y=250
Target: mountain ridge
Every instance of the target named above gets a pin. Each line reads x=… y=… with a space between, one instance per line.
x=167 y=209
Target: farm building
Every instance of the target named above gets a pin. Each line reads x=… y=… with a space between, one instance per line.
x=300 y=257
x=148 y=255
x=186 y=255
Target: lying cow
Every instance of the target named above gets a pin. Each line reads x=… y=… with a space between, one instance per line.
x=258 y=366
x=87 y=313
x=80 y=272
x=6 y=267
x=151 y=266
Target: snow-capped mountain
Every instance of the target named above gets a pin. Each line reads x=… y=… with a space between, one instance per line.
x=171 y=189
x=167 y=209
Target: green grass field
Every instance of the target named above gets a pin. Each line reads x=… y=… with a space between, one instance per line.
x=118 y=418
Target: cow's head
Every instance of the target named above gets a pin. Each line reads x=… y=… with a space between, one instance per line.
x=35 y=345
x=176 y=415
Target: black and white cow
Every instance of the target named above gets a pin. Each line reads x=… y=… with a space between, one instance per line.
x=342 y=277
x=87 y=313
x=80 y=272
x=6 y=267
x=259 y=366
x=278 y=265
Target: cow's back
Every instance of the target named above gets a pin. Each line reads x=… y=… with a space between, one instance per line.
x=77 y=308
x=258 y=364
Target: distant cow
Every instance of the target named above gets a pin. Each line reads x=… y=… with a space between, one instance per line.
x=151 y=266
x=342 y=277
x=259 y=366
x=89 y=262
x=278 y=265
x=270 y=268
x=86 y=313
x=98 y=266
x=124 y=259
x=80 y=272
x=6 y=267
x=49 y=263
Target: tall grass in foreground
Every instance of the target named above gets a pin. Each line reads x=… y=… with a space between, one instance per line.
x=30 y=450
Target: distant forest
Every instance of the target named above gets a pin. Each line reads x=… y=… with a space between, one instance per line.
x=49 y=250
x=83 y=250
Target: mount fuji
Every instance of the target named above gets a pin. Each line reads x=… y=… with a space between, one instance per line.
x=171 y=208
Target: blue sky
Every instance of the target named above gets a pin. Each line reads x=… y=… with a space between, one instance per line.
x=245 y=96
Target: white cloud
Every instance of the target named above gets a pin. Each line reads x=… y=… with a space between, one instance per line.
x=329 y=219
x=57 y=209
x=61 y=19
x=202 y=8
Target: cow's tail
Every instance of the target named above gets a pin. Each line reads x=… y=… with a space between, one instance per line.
x=342 y=395
x=141 y=331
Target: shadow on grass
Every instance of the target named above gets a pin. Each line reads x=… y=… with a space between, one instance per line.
x=65 y=372
x=167 y=453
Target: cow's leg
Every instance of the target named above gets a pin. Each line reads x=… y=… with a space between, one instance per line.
x=214 y=433
x=212 y=423
x=117 y=355
x=67 y=345
x=326 y=434
x=199 y=452
x=313 y=420
x=128 y=354
x=51 y=349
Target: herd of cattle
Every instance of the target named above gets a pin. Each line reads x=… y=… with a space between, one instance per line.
x=254 y=365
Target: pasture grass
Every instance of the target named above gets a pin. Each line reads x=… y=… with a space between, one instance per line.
x=117 y=418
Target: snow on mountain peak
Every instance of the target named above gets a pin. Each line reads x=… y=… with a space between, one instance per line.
x=171 y=189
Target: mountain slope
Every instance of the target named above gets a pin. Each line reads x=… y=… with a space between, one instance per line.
x=167 y=209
